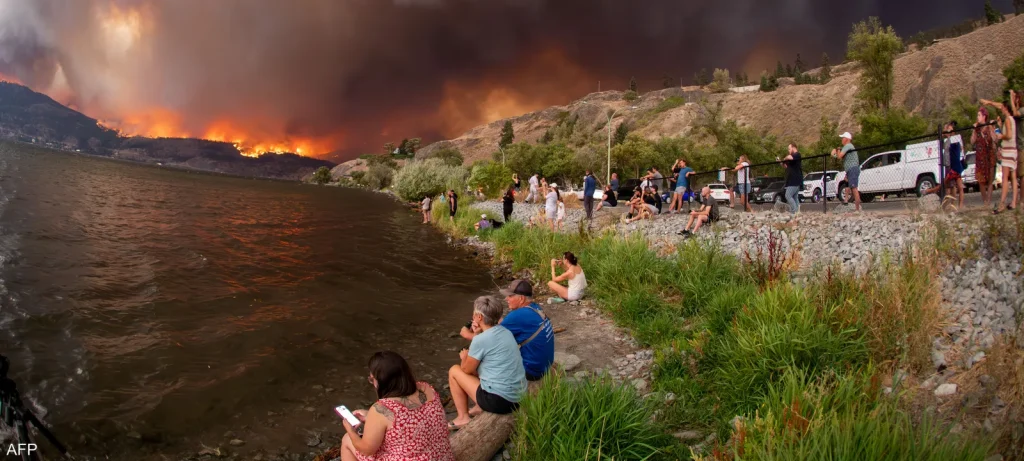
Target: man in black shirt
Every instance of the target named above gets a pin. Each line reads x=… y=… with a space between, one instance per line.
x=653 y=199
x=708 y=212
x=794 y=178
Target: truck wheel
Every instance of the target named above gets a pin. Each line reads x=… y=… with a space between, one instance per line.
x=924 y=183
x=816 y=196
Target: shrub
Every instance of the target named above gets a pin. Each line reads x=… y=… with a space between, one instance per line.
x=448 y=155
x=322 y=175
x=378 y=177
x=492 y=176
x=1014 y=74
x=630 y=96
x=769 y=82
x=992 y=15
x=721 y=82
x=431 y=177
x=593 y=419
x=883 y=127
x=668 y=104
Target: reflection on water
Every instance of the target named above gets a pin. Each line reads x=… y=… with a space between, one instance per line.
x=133 y=294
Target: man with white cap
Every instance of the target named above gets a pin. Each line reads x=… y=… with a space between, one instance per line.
x=851 y=163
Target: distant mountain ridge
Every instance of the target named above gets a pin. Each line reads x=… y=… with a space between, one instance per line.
x=32 y=117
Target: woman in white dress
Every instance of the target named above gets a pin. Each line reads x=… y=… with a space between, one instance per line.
x=573 y=273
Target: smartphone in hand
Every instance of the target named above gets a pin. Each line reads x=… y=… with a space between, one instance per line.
x=351 y=418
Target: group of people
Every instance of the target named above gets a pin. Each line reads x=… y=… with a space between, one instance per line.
x=449 y=197
x=997 y=139
x=506 y=352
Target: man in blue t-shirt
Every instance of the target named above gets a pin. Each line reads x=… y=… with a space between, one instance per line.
x=531 y=328
x=589 y=187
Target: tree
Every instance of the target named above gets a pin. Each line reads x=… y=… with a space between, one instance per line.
x=827 y=137
x=322 y=175
x=779 y=70
x=448 y=155
x=389 y=148
x=492 y=176
x=826 y=70
x=1014 y=74
x=632 y=84
x=1017 y=6
x=667 y=82
x=702 y=78
x=378 y=177
x=413 y=145
x=721 y=82
x=879 y=127
x=633 y=155
x=630 y=96
x=875 y=47
x=620 y=134
x=789 y=71
x=798 y=67
x=992 y=15
x=507 y=135
x=769 y=82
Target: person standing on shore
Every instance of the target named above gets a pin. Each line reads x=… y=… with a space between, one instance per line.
x=406 y=422
x=516 y=183
x=507 y=201
x=534 y=187
x=453 y=204
x=529 y=325
x=425 y=207
x=851 y=164
x=794 y=178
x=491 y=371
x=983 y=139
x=551 y=197
x=682 y=184
x=589 y=187
x=743 y=181
x=1017 y=108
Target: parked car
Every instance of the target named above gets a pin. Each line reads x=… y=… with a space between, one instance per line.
x=775 y=191
x=970 y=178
x=719 y=192
x=759 y=183
x=812 y=189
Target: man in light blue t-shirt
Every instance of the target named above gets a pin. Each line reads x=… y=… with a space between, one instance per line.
x=491 y=371
x=851 y=163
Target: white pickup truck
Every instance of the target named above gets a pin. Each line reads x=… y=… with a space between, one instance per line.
x=914 y=169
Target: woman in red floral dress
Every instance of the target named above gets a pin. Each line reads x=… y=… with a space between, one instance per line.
x=406 y=424
x=985 y=155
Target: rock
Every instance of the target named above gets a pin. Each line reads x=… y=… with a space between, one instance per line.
x=568 y=362
x=938 y=358
x=688 y=436
x=670 y=397
x=236 y=442
x=640 y=385
x=229 y=435
x=134 y=435
x=945 y=390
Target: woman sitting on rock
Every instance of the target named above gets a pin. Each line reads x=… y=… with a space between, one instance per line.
x=406 y=423
x=491 y=371
x=574 y=273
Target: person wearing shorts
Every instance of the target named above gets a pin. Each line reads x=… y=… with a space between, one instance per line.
x=851 y=163
x=453 y=204
x=682 y=174
x=743 y=186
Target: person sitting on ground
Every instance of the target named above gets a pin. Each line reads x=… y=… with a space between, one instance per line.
x=608 y=199
x=491 y=371
x=483 y=223
x=425 y=207
x=653 y=200
x=708 y=212
x=574 y=273
x=642 y=206
x=529 y=325
x=406 y=423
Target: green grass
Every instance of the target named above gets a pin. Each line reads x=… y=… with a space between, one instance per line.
x=589 y=420
x=727 y=344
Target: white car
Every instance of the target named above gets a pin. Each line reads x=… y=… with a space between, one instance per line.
x=719 y=192
x=812 y=189
x=969 y=177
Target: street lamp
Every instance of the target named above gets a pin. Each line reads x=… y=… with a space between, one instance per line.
x=608 y=172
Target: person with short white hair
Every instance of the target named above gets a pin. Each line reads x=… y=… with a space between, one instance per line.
x=491 y=371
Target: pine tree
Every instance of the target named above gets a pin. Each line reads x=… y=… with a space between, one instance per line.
x=620 y=134
x=798 y=67
x=1017 y=6
x=632 y=84
x=992 y=16
x=667 y=82
x=789 y=71
x=507 y=135
x=779 y=70
x=826 y=69
x=702 y=78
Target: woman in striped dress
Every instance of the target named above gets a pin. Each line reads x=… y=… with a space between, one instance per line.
x=1007 y=156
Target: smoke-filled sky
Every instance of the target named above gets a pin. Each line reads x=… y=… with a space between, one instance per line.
x=349 y=75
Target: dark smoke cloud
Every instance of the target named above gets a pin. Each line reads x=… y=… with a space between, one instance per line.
x=360 y=72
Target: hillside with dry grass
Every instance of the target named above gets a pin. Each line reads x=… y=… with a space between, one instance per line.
x=927 y=81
